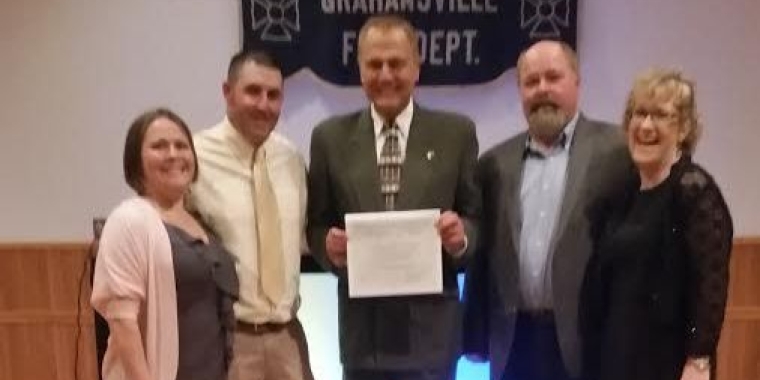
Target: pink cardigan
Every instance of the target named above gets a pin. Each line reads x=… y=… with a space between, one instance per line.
x=134 y=279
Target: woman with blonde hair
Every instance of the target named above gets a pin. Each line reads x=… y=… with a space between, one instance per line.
x=655 y=290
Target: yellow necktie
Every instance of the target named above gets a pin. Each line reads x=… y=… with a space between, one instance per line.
x=270 y=251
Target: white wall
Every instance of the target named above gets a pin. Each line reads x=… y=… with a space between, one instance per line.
x=75 y=72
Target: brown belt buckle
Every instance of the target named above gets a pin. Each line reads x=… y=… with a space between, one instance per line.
x=261 y=328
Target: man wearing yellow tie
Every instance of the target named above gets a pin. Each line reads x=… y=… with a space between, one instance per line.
x=251 y=192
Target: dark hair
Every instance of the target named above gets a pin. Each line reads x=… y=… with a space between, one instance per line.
x=386 y=23
x=133 y=165
x=244 y=56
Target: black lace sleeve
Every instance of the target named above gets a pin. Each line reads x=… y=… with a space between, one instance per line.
x=708 y=234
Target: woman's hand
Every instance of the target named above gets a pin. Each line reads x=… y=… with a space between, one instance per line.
x=127 y=341
x=696 y=369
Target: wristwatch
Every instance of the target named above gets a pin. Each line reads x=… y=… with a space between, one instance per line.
x=701 y=363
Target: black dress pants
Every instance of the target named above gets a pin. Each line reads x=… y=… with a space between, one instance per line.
x=535 y=353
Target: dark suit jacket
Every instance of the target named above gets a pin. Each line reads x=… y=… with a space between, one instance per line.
x=598 y=162
x=414 y=332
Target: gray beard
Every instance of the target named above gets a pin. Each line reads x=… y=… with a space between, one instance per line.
x=546 y=122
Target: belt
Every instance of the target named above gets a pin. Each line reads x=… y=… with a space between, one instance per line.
x=262 y=328
x=537 y=314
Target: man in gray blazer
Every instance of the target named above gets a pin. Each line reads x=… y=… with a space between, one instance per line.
x=540 y=190
x=407 y=337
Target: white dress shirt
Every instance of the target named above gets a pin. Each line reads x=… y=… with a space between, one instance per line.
x=403 y=121
x=223 y=197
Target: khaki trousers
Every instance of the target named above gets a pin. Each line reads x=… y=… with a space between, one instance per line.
x=270 y=352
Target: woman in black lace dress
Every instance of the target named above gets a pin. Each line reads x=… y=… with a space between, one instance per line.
x=655 y=290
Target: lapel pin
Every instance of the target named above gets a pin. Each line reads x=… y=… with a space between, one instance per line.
x=430 y=154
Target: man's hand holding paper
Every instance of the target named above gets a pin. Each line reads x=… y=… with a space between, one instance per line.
x=395 y=253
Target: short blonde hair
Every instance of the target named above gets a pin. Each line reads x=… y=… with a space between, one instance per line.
x=387 y=22
x=668 y=84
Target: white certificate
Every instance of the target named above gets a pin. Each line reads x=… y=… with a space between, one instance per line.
x=394 y=253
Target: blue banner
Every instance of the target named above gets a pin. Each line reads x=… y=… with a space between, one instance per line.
x=461 y=41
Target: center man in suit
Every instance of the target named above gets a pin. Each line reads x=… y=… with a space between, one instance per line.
x=541 y=189
x=406 y=337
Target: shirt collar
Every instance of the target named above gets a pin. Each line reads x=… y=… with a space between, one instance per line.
x=564 y=140
x=403 y=120
x=243 y=149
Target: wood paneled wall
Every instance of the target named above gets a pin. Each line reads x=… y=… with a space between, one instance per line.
x=39 y=285
x=739 y=347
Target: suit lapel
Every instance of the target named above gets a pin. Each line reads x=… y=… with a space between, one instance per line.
x=365 y=177
x=512 y=164
x=580 y=157
x=505 y=196
x=415 y=173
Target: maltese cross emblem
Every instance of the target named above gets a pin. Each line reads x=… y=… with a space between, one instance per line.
x=544 y=17
x=276 y=20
